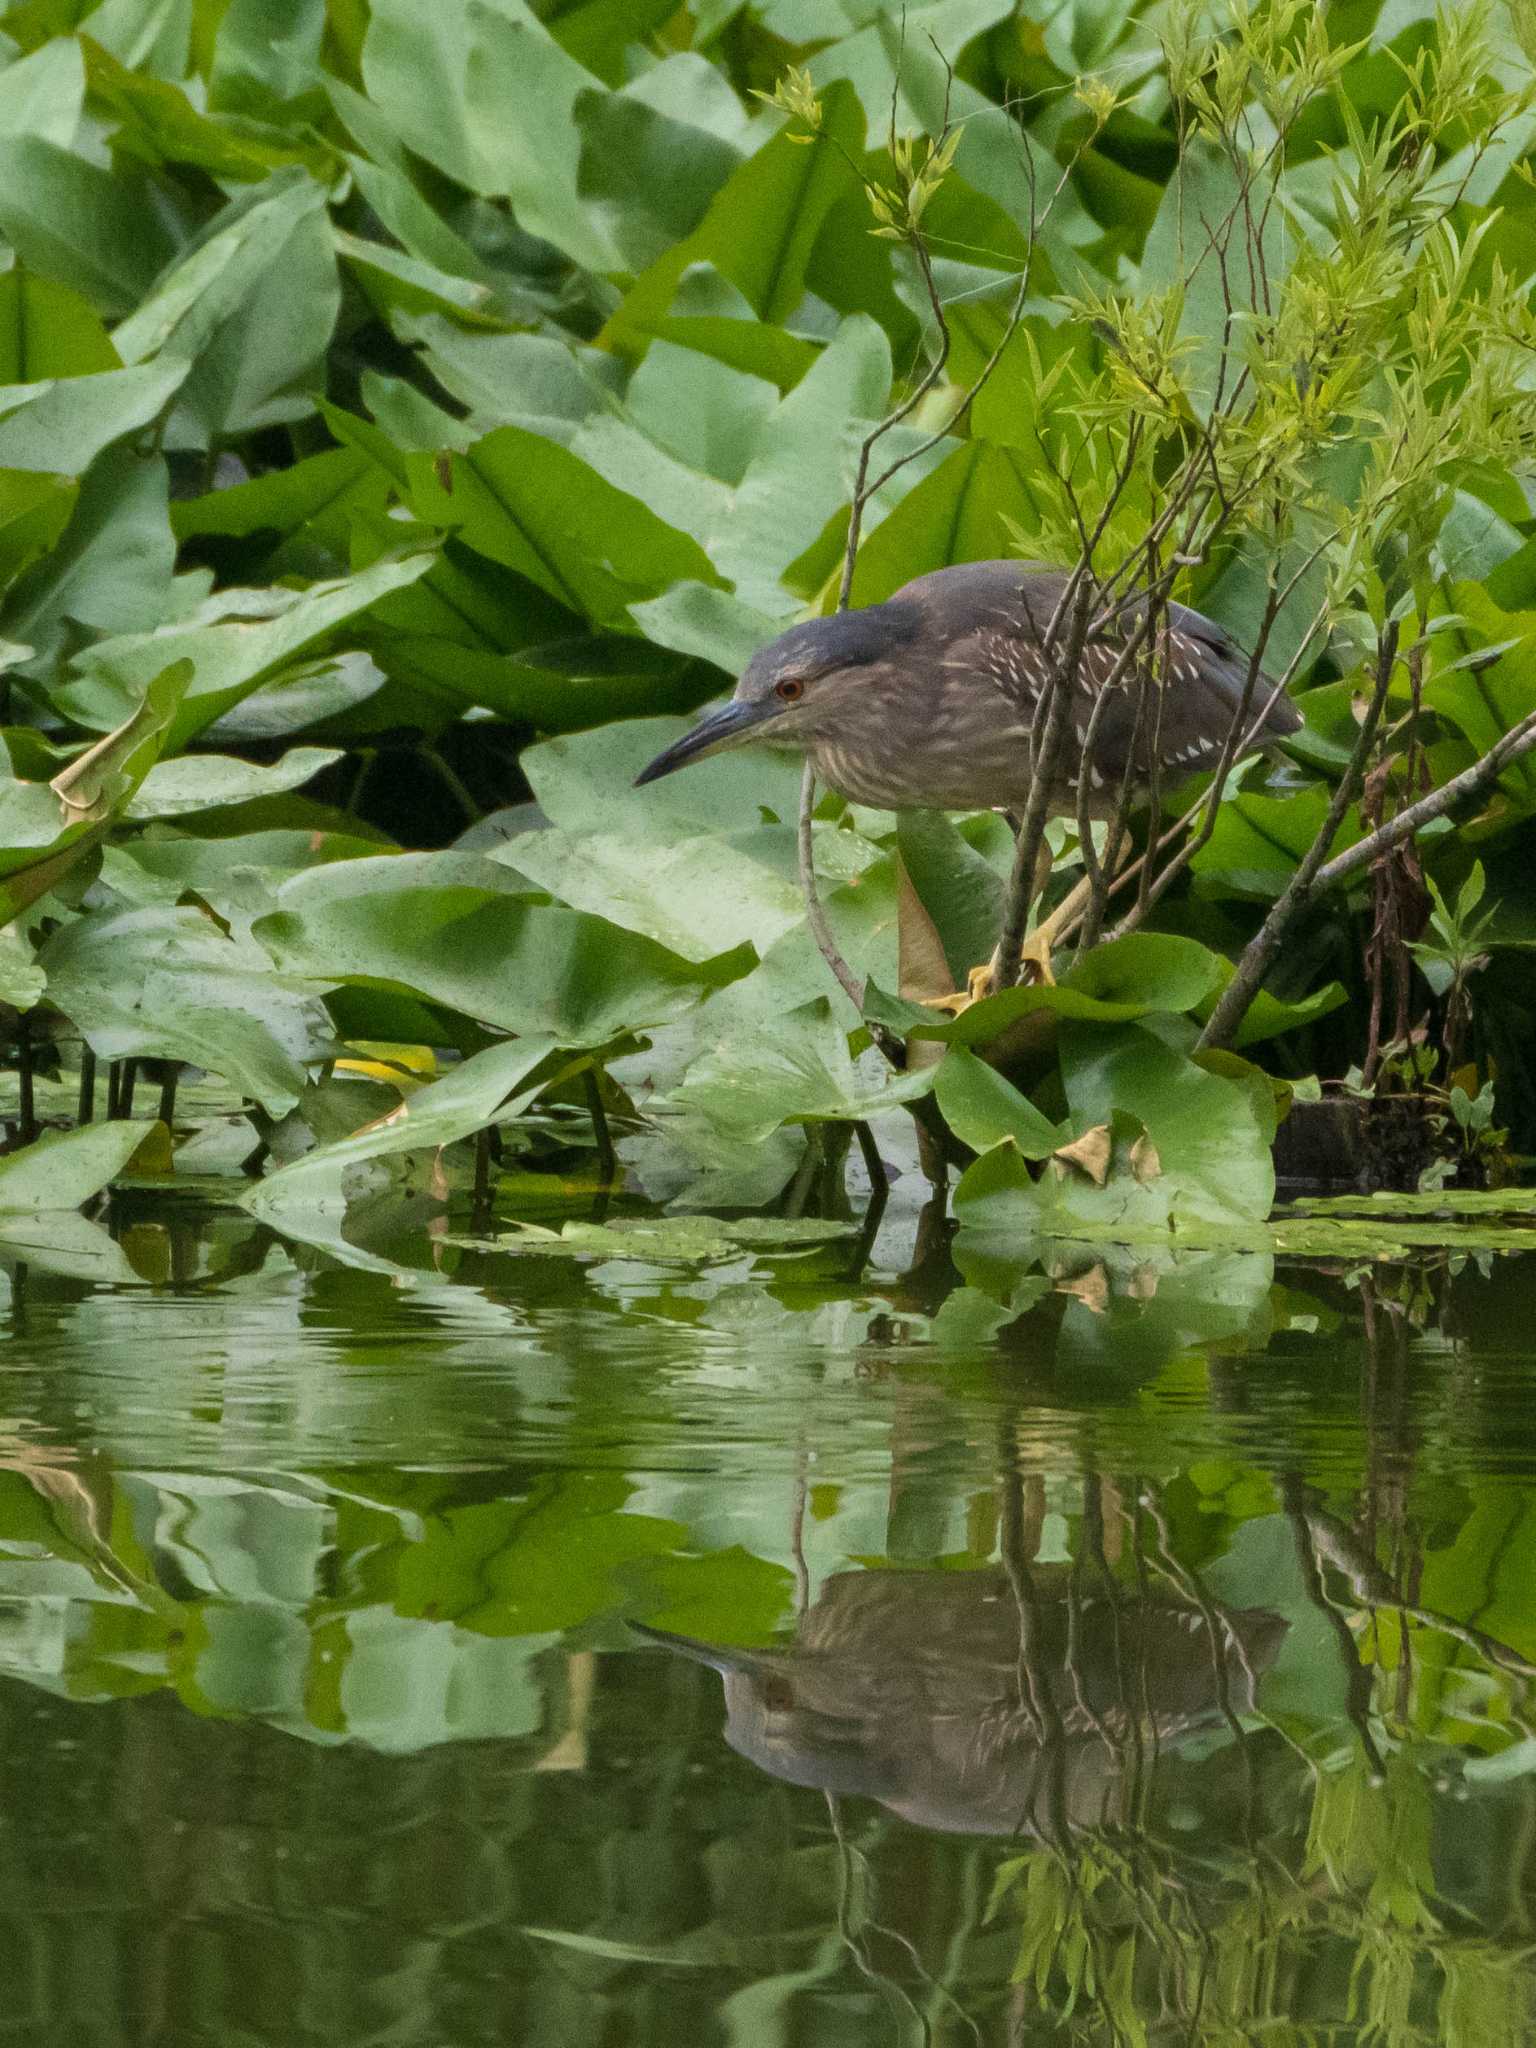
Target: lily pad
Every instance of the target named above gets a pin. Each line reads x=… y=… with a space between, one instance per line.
x=457 y=929
x=662 y=1240
x=1210 y=1131
x=62 y=1169
x=799 y=1071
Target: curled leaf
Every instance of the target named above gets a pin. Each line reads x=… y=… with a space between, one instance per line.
x=97 y=782
x=1145 y=1163
x=1090 y=1154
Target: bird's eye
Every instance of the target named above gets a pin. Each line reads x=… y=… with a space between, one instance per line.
x=790 y=691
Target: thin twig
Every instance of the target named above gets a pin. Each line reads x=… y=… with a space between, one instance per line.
x=1263 y=946
x=816 y=916
x=1518 y=741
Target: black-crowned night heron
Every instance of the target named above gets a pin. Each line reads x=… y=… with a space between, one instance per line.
x=930 y=701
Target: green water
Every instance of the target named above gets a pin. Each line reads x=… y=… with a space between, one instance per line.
x=1066 y=1650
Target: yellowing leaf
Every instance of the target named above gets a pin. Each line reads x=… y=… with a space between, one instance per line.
x=96 y=782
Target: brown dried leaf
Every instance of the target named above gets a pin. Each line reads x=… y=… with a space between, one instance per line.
x=1090 y=1153
x=1145 y=1163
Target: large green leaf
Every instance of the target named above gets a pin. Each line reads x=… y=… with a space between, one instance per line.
x=983 y=1108
x=63 y=426
x=463 y=1101
x=1186 y=1142
x=486 y=95
x=47 y=330
x=252 y=634
x=761 y=226
x=291 y=515
x=534 y=507
x=251 y=304
x=62 y=1169
x=960 y=513
x=1258 y=841
x=110 y=572
x=170 y=983
x=258 y=72
x=561 y=686
x=452 y=927
x=199 y=782
x=645 y=178
x=1482 y=702
x=540 y=381
x=34 y=511
x=795 y=471
x=397 y=284
x=153 y=35
x=698 y=897
x=1144 y=974
x=67 y=218
x=585 y=783
x=799 y=1072
x=44 y=94
x=158 y=124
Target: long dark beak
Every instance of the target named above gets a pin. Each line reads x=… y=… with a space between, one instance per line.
x=724 y=1661
x=731 y=722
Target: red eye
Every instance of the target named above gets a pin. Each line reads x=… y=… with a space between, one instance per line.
x=790 y=690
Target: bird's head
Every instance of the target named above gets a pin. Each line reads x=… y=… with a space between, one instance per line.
x=788 y=690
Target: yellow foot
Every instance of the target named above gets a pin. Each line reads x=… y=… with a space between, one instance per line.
x=1035 y=957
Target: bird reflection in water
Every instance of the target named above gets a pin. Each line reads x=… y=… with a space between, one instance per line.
x=990 y=1702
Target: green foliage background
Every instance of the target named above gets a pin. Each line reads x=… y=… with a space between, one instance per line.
x=394 y=398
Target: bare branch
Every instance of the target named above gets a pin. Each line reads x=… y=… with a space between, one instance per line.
x=1262 y=948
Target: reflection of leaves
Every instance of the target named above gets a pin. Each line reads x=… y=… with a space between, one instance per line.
x=703 y=1948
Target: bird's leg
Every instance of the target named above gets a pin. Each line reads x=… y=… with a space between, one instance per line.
x=1039 y=944
x=1035 y=953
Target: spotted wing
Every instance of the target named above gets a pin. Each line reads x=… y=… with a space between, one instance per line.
x=997 y=617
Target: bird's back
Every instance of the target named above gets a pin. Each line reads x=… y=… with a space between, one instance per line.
x=995 y=618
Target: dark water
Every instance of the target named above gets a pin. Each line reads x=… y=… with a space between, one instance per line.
x=405 y=1644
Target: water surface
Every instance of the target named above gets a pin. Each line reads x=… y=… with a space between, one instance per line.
x=409 y=1642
